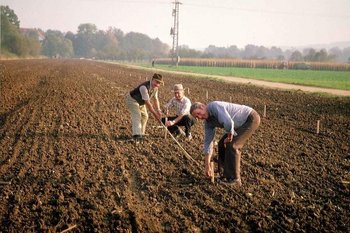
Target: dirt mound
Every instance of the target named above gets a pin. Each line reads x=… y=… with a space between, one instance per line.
x=66 y=159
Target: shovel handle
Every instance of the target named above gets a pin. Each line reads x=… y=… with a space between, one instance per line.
x=165 y=129
x=212 y=175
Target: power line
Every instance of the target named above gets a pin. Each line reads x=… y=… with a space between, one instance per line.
x=228 y=8
x=310 y=14
x=264 y=11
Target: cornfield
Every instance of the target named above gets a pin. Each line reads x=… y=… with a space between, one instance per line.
x=265 y=64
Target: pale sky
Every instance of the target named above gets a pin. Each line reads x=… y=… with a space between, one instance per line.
x=201 y=22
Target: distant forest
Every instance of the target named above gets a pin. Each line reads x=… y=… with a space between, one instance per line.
x=114 y=44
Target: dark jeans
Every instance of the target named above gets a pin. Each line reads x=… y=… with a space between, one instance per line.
x=230 y=154
x=186 y=121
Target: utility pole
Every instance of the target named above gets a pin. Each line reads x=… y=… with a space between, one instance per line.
x=0 y=29
x=175 y=33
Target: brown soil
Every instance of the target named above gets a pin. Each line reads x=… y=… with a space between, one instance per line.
x=66 y=159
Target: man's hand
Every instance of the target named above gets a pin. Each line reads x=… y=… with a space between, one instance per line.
x=156 y=113
x=169 y=123
x=158 y=116
x=208 y=168
x=229 y=138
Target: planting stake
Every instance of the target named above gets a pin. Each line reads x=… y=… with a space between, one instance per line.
x=157 y=126
x=69 y=228
x=212 y=175
x=5 y=182
x=318 y=127
x=206 y=94
x=264 y=111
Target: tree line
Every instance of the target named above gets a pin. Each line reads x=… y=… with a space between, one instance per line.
x=88 y=42
x=114 y=44
x=254 y=52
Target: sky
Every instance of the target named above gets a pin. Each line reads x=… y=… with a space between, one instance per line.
x=202 y=23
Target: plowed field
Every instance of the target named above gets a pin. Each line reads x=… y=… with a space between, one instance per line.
x=66 y=161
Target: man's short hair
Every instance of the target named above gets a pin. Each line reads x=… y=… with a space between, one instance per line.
x=194 y=106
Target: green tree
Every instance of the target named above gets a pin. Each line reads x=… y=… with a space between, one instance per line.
x=296 y=56
x=10 y=15
x=56 y=45
x=11 y=40
x=335 y=53
x=33 y=43
x=108 y=45
x=250 y=51
x=137 y=46
x=159 y=49
x=70 y=36
x=346 y=55
x=309 y=54
x=85 y=41
x=117 y=33
x=321 y=56
x=276 y=53
x=185 y=51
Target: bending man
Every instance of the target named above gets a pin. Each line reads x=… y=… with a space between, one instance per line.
x=239 y=122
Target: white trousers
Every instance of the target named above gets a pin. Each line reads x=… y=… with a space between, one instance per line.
x=139 y=115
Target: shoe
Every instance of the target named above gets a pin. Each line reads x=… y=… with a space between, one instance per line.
x=137 y=137
x=181 y=132
x=189 y=137
x=178 y=133
x=230 y=181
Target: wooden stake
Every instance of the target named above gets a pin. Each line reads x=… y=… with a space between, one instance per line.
x=212 y=172
x=188 y=90
x=207 y=94
x=157 y=127
x=230 y=98
x=264 y=114
x=4 y=182
x=69 y=228
x=318 y=127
